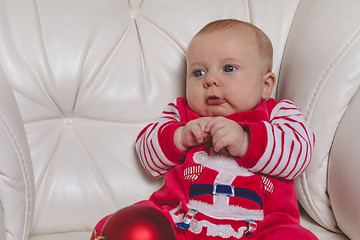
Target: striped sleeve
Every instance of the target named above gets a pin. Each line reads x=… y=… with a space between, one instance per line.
x=148 y=143
x=289 y=144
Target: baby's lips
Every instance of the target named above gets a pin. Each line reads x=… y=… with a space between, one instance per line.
x=215 y=101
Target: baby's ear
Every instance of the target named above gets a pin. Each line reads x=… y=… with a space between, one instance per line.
x=269 y=80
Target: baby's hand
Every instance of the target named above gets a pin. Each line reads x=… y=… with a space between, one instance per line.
x=228 y=134
x=192 y=134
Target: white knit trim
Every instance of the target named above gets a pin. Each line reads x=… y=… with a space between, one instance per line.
x=221 y=163
x=224 y=231
x=226 y=212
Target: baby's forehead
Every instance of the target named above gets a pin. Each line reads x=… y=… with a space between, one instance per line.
x=235 y=34
x=244 y=33
x=236 y=30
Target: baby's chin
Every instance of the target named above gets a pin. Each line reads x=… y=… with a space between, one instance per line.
x=218 y=113
x=213 y=110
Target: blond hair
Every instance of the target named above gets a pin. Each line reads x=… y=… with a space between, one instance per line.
x=264 y=44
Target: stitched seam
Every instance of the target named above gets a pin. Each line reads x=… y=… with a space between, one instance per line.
x=25 y=173
x=325 y=77
x=314 y=208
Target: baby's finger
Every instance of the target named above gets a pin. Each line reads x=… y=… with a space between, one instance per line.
x=209 y=125
x=219 y=141
x=202 y=123
x=217 y=147
x=198 y=133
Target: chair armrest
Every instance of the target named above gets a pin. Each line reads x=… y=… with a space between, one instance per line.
x=16 y=174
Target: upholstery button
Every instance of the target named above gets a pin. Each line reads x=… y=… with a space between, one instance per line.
x=133 y=15
x=68 y=122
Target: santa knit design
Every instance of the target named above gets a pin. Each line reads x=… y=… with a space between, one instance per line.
x=221 y=230
x=268 y=185
x=193 y=172
x=227 y=170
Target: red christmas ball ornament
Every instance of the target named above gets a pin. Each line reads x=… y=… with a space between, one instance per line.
x=138 y=222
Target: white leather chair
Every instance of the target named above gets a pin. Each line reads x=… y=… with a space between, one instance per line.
x=80 y=78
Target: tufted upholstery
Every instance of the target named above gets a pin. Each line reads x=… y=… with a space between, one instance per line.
x=80 y=79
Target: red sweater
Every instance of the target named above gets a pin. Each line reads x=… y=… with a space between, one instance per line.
x=224 y=191
x=281 y=143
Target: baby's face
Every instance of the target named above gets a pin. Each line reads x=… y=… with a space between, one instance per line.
x=225 y=74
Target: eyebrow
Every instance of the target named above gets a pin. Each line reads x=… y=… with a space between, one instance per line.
x=194 y=64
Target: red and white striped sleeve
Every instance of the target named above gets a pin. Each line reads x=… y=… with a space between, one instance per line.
x=154 y=141
x=289 y=143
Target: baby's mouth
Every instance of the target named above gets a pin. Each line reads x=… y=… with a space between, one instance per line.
x=214 y=100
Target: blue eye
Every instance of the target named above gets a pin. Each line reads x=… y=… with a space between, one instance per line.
x=229 y=68
x=199 y=73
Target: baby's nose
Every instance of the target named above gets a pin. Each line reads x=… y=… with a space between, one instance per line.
x=211 y=80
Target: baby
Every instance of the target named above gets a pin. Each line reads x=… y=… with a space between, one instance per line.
x=228 y=151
